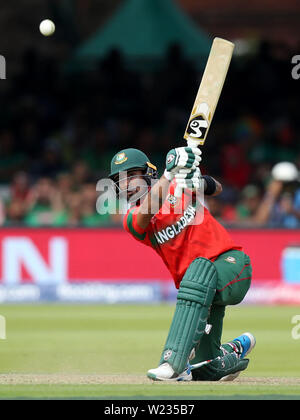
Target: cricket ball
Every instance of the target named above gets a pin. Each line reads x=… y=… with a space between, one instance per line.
x=47 y=27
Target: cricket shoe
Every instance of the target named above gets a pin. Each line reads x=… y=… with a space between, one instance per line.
x=246 y=343
x=165 y=372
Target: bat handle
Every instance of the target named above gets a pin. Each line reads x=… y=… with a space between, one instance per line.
x=178 y=191
x=190 y=143
x=197 y=365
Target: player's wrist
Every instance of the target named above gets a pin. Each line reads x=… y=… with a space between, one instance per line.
x=210 y=185
x=168 y=175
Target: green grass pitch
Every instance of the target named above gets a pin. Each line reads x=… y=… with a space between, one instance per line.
x=99 y=351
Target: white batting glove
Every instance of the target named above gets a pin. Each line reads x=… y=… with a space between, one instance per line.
x=187 y=158
x=190 y=179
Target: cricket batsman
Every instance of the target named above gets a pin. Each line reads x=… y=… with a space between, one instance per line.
x=210 y=271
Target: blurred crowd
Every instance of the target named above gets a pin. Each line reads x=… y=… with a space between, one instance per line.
x=59 y=131
x=69 y=199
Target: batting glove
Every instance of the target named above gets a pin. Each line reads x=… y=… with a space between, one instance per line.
x=182 y=158
x=190 y=179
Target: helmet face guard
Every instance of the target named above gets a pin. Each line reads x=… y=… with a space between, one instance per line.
x=128 y=160
x=148 y=175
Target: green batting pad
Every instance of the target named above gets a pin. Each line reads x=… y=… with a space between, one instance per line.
x=195 y=296
x=220 y=367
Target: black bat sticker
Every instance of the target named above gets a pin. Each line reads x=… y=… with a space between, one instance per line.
x=197 y=127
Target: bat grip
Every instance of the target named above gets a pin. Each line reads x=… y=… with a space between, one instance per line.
x=178 y=190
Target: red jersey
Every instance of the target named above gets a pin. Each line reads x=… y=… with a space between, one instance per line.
x=181 y=236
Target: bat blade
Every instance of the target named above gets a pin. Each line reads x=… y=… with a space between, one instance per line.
x=209 y=91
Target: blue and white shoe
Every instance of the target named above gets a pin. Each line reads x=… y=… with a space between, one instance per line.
x=247 y=343
x=165 y=372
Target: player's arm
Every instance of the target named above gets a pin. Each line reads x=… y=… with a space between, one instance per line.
x=182 y=158
x=211 y=186
x=153 y=202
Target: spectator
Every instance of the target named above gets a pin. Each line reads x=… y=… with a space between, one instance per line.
x=20 y=188
x=279 y=208
x=223 y=212
x=247 y=208
x=64 y=184
x=15 y=213
x=89 y=215
x=74 y=209
x=45 y=206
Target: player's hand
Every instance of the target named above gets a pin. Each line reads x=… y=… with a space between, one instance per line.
x=182 y=158
x=187 y=178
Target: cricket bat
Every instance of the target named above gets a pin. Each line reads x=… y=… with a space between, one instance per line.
x=208 y=94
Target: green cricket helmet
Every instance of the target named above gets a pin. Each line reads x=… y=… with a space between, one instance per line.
x=130 y=159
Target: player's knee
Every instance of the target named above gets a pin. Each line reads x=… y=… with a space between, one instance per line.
x=199 y=282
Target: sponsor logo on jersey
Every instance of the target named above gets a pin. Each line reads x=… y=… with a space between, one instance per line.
x=170 y=232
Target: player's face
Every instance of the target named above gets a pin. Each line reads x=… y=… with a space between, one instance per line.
x=132 y=183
